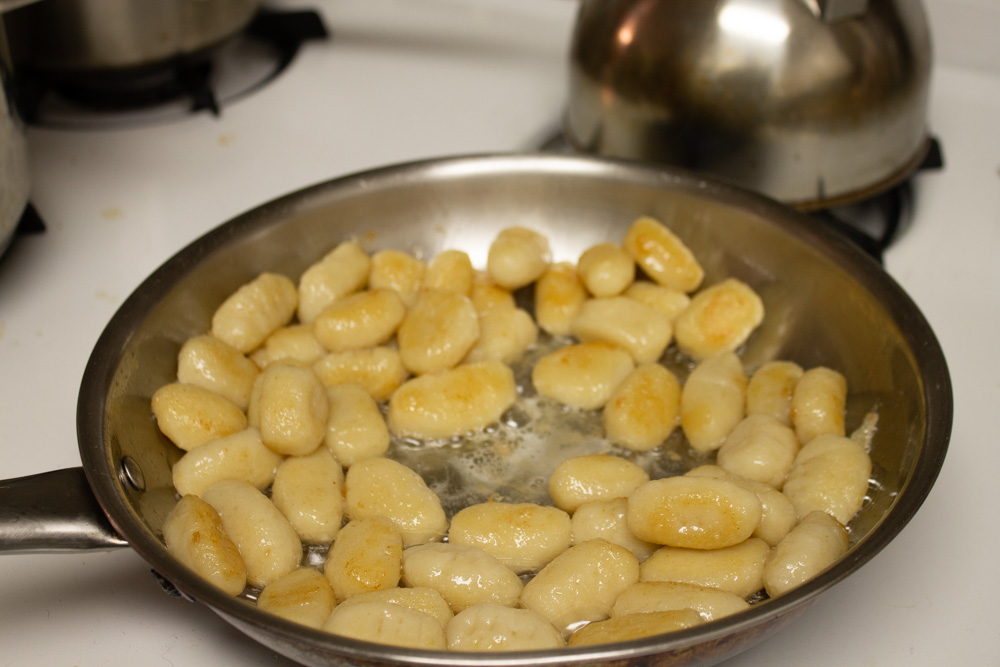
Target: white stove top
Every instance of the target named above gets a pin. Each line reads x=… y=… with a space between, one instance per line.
x=403 y=80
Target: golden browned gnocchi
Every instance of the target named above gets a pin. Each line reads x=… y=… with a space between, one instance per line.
x=302 y=596
x=194 y=535
x=644 y=409
x=770 y=390
x=366 y=556
x=719 y=319
x=191 y=415
x=381 y=487
x=355 y=428
x=693 y=512
x=663 y=255
x=273 y=409
x=559 y=294
x=583 y=375
x=379 y=370
x=450 y=271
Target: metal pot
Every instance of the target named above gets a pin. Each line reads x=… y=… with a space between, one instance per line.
x=95 y=36
x=826 y=303
x=14 y=179
x=813 y=102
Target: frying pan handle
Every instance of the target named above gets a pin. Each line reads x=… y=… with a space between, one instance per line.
x=53 y=512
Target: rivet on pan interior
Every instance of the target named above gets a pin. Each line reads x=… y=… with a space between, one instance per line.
x=131 y=474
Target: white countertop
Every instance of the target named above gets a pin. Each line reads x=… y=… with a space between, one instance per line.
x=404 y=80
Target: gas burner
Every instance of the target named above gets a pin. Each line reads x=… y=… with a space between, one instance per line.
x=204 y=83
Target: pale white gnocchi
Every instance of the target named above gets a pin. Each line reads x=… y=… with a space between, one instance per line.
x=633 y=326
x=522 y=536
x=494 y=627
x=342 y=271
x=517 y=257
x=255 y=311
x=816 y=543
x=208 y=362
x=355 y=427
x=584 y=479
x=581 y=584
x=606 y=269
x=387 y=623
x=464 y=575
x=307 y=490
x=241 y=456
x=267 y=542
x=713 y=401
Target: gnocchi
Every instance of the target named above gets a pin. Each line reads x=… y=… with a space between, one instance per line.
x=581 y=584
x=493 y=627
x=465 y=576
x=342 y=271
x=394 y=357
x=522 y=536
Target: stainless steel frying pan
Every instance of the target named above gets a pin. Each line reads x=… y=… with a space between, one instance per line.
x=826 y=301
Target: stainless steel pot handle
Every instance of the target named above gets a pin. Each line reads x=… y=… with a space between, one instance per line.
x=53 y=512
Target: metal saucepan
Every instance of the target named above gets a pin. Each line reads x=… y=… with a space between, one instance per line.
x=813 y=102
x=826 y=301
x=70 y=37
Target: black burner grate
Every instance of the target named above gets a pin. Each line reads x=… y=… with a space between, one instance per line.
x=184 y=85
